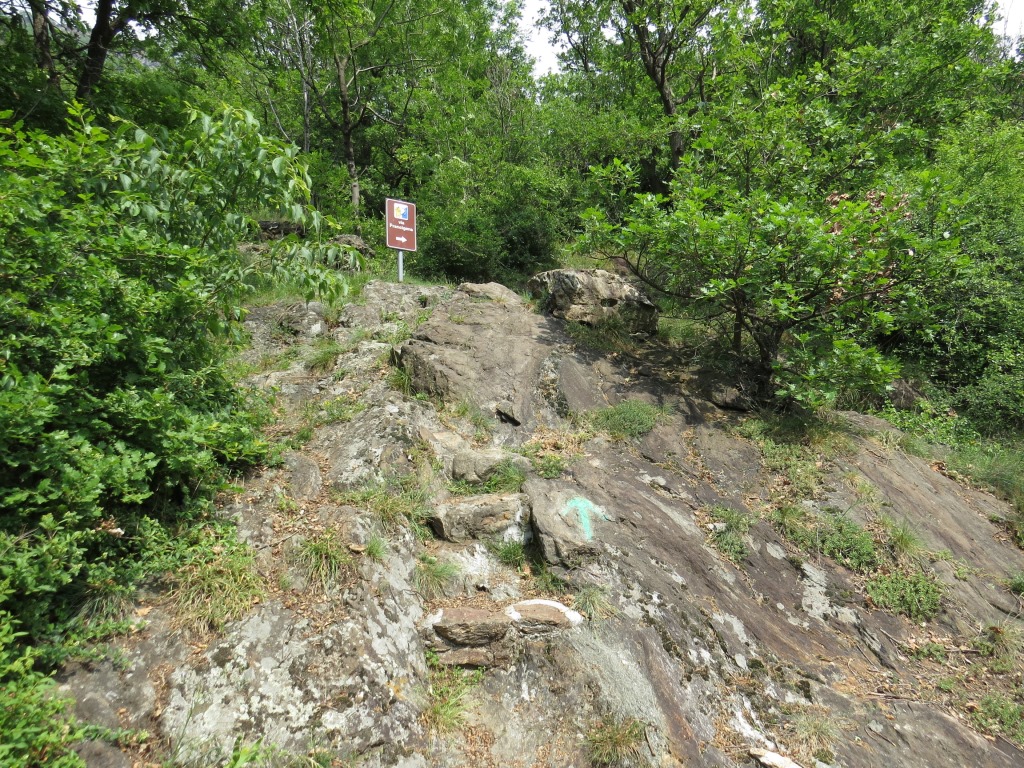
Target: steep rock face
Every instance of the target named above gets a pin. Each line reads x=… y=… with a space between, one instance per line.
x=710 y=658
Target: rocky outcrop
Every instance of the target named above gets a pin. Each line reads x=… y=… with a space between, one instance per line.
x=594 y=297
x=623 y=609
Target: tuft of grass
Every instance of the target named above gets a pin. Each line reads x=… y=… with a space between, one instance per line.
x=217 y=586
x=432 y=576
x=594 y=603
x=510 y=553
x=629 y=419
x=816 y=733
x=400 y=379
x=376 y=549
x=395 y=335
x=324 y=558
x=396 y=504
x=915 y=595
x=337 y=410
x=901 y=540
x=730 y=527
x=324 y=355
x=615 y=742
x=1003 y=644
x=449 y=688
x=544 y=581
x=506 y=478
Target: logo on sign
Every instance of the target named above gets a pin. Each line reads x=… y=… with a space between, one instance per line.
x=402 y=211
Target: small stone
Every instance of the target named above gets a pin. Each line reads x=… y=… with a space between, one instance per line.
x=535 y=617
x=471 y=626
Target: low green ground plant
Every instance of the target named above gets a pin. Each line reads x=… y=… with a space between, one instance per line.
x=506 y=477
x=1001 y=714
x=630 y=419
x=914 y=594
x=730 y=527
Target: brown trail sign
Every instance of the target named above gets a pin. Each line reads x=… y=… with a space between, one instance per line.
x=400 y=223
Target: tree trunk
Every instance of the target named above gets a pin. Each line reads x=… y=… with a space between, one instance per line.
x=103 y=33
x=348 y=127
x=41 y=36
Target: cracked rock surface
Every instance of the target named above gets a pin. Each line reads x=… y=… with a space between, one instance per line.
x=620 y=606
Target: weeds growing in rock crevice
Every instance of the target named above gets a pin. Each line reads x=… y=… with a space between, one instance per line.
x=594 y=602
x=505 y=477
x=433 y=576
x=214 y=583
x=396 y=503
x=615 y=741
x=728 y=528
x=324 y=557
x=448 y=691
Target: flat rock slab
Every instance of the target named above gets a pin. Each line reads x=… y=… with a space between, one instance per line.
x=304 y=478
x=486 y=353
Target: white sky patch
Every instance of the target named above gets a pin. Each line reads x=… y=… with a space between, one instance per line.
x=538 y=45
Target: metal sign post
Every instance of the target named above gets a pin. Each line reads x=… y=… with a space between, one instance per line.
x=400 y=224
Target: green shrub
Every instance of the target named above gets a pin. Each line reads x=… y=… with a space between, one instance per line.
x=121 y=276
x=846 y=542
x=915 y=595
x=498 y=227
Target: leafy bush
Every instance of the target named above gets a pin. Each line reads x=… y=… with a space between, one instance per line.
x=36 y=725
x=499 y=228
x=120 y=277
